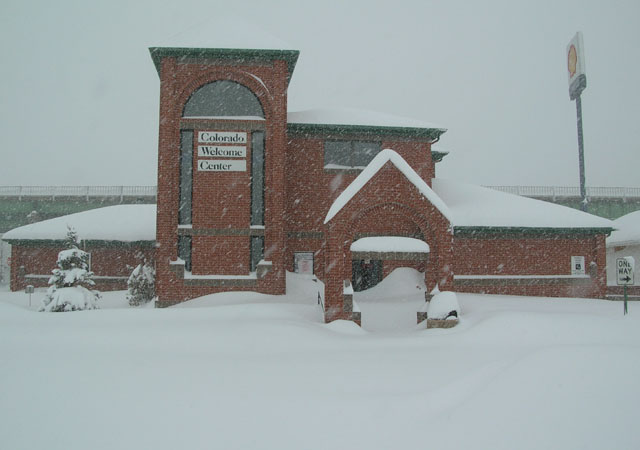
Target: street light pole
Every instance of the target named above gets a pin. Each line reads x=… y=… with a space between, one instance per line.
x=583 y=189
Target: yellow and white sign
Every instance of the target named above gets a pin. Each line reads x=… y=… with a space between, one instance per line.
x=575 y=66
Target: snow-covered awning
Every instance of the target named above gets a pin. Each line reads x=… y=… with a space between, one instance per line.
x=389 y=244
x=390 y=248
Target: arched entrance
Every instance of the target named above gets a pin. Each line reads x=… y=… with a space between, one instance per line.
x=368 y=254
x=389 y=305
x=386 y=214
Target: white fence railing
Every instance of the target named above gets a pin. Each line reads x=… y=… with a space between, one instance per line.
x=570 y=191
x=150 y=191
x=77 y=191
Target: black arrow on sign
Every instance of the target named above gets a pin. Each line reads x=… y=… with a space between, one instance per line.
x=627 y=278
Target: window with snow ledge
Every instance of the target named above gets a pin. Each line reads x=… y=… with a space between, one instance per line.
x=223 y=98
x=349 y=154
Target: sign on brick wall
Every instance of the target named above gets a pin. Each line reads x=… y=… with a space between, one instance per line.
x=224 y=150
x=577 y=265
x=222 y=165
x=222 y=137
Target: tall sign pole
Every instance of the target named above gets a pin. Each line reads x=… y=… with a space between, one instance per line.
x=577 y=84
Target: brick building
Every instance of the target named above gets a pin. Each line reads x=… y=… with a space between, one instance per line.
x=117 y=238
x=248 y=191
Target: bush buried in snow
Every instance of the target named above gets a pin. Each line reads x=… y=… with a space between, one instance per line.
x=141 y=285
x=444 y=305
x=75 y=298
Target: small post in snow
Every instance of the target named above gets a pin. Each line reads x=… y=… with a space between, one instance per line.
x=29 y=290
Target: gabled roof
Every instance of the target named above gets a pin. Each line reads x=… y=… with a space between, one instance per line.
x=382 y=158
x=121 y=223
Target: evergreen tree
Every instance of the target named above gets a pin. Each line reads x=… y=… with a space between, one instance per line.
x=71 y=283
x=71 y=240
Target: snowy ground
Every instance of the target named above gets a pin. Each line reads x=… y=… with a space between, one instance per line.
x=250 y=371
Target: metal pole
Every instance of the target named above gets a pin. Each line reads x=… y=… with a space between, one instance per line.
x=583 y=191
x=625 y=299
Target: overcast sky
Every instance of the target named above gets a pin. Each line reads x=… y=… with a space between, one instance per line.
x=79 y=92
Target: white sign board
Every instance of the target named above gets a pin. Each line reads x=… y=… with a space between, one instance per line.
x=222 y=151
x=222 y=165
x=575 y=66
x=222 y=137
x=577 y=265
x=575 y=58
x=303 y=262
x=624 y=270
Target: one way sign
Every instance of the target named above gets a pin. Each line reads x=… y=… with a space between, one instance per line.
x=624 y=270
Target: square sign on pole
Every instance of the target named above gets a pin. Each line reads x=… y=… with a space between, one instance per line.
x=624 y=270
x=576 y=67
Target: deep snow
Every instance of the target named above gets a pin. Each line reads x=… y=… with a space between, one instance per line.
x=245 y=370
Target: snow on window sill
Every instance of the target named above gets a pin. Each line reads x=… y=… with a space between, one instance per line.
x=190 y=276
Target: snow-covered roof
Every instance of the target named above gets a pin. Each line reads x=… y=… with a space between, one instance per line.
x=360 y=117
x=390 y=244
x=387 y=155
x=125 y=223
x=627 y=230
x=476 y=206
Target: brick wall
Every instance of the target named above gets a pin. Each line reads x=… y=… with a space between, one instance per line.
x=221 y=201
x=525 y=255
x=105 y=262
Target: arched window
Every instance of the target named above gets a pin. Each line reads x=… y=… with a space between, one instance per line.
x=223 y=99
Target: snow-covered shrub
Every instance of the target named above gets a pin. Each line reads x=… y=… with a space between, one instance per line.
x=444 y=305
x=76 y=298
x=141 y=284
x=71 y=283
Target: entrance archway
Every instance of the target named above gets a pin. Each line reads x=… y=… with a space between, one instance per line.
x=388 y=305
